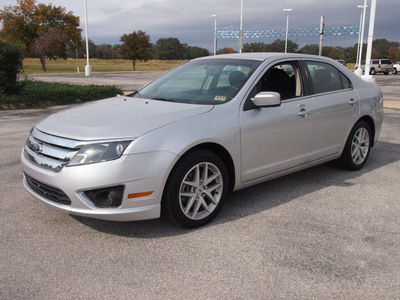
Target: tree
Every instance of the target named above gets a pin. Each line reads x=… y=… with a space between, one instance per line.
x=310 y=49
x=226 y=51
x=276 y=46
x=50 y=44
x=380 y=48
x=136 y=46
x=194 y=52
x=19 y=24
x=255 y=47
x=331 y=52
x=394 y=53
x=27 y=22
x=11 y=64
x=169 y=48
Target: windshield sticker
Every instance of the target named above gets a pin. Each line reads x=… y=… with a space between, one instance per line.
x=220 y=98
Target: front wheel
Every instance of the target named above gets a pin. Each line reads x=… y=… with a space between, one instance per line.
x=357 y=148
x=394 y=71
x=196 y=189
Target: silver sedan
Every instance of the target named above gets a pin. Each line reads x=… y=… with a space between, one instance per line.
x=213 y=125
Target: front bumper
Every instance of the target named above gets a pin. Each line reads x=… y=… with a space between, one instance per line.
x=138 y=173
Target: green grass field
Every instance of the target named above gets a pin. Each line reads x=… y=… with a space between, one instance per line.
x=33 y=66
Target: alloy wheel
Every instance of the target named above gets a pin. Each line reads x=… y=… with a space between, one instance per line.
x=360 y=146
x=200 y=191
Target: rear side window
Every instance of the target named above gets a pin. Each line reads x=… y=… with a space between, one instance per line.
x=326 y=78
x=346 y=83
x=386 y=62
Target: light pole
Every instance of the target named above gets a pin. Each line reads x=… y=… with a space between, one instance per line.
x=358 y=71
x=241 y=28
x=359 y=36
x=287 y=10
x=366 y=75
x=215 y=34
x=88 y=68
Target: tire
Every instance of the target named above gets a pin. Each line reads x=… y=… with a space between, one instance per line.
x=357 y=148
x=196 y=189
x=372 y=72
x=394 y=71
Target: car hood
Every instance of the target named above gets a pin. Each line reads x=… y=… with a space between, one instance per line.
x=118 y=117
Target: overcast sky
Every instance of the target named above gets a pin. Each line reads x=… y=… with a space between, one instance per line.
x=192 y=22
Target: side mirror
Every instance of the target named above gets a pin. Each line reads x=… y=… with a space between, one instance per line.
x=267 y=99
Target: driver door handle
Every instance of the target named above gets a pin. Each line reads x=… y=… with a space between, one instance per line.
x=304 y=113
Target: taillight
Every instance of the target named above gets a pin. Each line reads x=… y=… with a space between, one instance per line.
x=379 y=66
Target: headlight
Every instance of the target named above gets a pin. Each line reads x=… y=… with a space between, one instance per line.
x=95 y=153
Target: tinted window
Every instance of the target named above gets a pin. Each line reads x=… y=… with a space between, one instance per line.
x=386 y=62
x=346 y=83
x=324 y=77
x=282 y=78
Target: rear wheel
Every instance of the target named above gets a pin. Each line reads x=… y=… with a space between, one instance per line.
x=196 y=189
x=394 y=71
x=357 y=148
x=372 y=72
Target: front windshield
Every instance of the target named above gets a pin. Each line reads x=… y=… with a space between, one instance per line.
x=207 y=81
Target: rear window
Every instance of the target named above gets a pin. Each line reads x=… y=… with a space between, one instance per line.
x=386 y=62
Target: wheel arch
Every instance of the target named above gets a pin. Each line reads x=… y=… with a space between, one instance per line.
x=371 y=123
x=222 y=153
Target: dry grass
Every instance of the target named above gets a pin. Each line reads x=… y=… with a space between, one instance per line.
x=71 y=65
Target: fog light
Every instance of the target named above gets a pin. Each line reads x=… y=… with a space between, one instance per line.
x=106 y=197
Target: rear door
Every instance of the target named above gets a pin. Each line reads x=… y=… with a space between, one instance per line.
x=336 y=107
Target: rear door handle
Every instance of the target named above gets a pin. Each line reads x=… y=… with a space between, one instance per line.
x=352 y=102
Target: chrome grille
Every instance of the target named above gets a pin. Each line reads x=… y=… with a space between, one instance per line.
x=49 y=151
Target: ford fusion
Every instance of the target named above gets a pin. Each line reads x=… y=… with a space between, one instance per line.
x=181 y=144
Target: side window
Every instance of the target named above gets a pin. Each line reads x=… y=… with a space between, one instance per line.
x=326 y=78
x=283 y=78
x=346 y=83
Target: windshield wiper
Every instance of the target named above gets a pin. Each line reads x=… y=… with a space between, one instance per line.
x=163 y=99
x=135 y=94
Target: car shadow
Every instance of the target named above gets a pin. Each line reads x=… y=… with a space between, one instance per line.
x=258 y=198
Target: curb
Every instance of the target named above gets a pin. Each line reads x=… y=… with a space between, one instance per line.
x=391 y=104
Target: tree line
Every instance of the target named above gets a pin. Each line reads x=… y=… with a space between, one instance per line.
x=382 y=48
x=164 y=49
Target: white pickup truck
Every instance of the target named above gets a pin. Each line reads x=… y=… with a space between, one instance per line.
x=396 y=67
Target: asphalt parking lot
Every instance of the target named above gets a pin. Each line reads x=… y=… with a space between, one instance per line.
x=323 y=233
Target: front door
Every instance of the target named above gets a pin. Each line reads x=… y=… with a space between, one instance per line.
x=274 y=139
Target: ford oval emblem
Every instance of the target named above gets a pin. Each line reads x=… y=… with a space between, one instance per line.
x=37 y=148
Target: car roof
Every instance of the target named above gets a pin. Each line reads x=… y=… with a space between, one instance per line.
x=262 y=56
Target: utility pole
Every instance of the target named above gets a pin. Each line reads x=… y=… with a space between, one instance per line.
x=287 y=10
x=366 y=75
x=241 y=28
x=321 y=34
x=88 y=68
x=215 y=34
